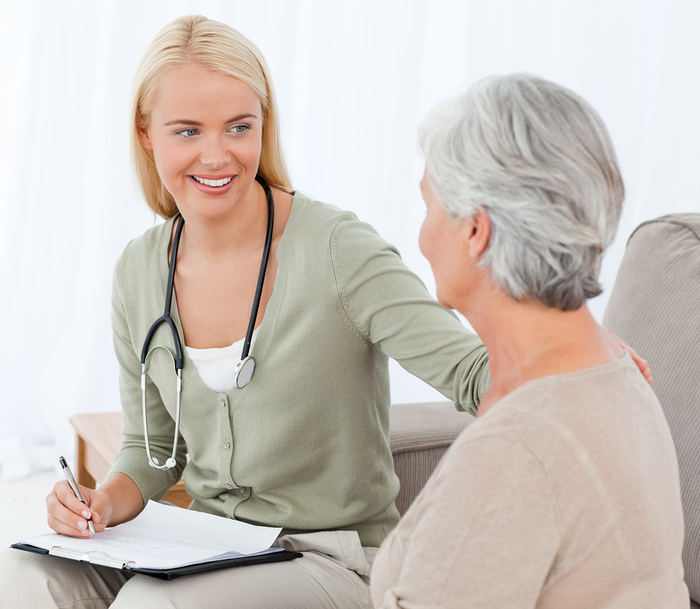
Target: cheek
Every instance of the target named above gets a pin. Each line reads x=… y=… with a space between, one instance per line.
x=424 y=237
x=428 y=239
x=247 y=149
x=421 y=239
x=253 y=151
x=250 y=155
x=165 y=158
x=439 y=244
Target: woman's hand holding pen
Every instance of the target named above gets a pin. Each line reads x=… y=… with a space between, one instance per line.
x=118 y=499
x=67 y=515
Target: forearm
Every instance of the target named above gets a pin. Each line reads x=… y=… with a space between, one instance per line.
x=124 y=497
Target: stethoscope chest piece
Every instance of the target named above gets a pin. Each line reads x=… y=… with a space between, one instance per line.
x=244 y=372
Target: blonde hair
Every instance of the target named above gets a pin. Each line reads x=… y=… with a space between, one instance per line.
x=217 y=47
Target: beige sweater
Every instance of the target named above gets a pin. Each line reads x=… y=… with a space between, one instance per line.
x=565 y=495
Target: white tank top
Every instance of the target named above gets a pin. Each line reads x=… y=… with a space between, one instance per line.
x=217 y=367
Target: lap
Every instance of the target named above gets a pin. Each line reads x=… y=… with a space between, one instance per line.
x=333 y=572
x=34 y=580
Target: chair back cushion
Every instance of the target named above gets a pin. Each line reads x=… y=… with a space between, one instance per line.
x=655 y=307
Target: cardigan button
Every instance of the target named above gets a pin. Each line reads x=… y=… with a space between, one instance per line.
x=227 y=445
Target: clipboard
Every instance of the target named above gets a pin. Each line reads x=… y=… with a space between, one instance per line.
x=101 y=559
x=168 y=542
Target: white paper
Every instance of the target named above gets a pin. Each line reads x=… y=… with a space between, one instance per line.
x=164 y=537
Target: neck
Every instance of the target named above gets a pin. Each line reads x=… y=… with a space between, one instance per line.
x=526 y=340
x=224 y=237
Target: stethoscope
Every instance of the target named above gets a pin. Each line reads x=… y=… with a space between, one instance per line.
x=244 y=369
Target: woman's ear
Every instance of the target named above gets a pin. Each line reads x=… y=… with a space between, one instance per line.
x=478 y=229
x=144 y=137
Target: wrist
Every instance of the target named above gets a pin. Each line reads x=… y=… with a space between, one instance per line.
x=121 y=498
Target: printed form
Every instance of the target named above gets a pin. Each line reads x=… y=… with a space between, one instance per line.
x=165 y=537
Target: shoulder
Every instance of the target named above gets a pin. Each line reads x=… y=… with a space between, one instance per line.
x=576 y=423
x=140 y=257
x=314 y=217
x=340 y=233
x=603 y=398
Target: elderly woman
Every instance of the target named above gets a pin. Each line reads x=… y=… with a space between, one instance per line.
x=564 y=492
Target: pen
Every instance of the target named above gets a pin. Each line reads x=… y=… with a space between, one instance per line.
x=76 y=490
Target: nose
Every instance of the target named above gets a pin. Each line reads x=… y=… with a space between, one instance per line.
x=214 y=154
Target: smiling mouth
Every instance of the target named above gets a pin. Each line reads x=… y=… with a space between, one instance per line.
x=212 y=183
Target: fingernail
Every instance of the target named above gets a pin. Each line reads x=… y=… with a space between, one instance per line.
x=86 y=514
x=81 y=524
x=86 y=533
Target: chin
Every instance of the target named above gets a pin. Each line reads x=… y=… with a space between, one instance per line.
x=209 y=210
x=444 y=301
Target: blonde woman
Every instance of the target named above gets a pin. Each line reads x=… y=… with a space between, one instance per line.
x=302 y=443
x=565 y=491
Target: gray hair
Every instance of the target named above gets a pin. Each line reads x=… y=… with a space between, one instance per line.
x=538 y=159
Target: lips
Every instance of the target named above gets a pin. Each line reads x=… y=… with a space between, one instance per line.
x=212 y=183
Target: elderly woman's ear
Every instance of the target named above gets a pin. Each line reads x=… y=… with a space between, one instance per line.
x=477 y=232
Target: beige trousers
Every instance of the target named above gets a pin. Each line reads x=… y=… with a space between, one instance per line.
x=333 y=572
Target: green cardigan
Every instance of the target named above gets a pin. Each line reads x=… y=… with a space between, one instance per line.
x=305 y=445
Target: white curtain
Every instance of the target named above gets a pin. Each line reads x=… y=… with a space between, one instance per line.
x=353 y=80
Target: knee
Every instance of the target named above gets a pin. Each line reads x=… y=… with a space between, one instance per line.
x=18 y=567
x=143 y=592
x=24 y=579
x=33 y=580
x=8 y=564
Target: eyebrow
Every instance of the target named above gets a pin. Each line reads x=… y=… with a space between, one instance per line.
x=182 y=121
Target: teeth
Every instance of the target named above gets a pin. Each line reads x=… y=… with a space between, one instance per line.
x=206 y=182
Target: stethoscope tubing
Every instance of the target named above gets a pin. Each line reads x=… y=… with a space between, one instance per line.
x=246 y=366
x=263 y=270
x=165 y=318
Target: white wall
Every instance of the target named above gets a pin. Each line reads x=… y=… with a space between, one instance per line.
x=353 y=80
